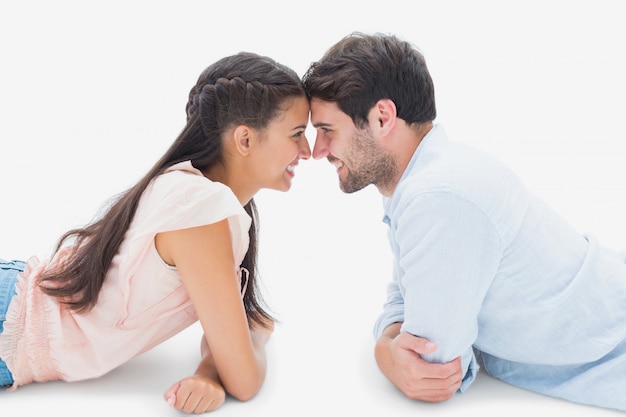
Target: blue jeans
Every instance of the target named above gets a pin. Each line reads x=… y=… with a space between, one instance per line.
x=8 y=278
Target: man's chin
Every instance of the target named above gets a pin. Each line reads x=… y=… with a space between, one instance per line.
x=349 y=188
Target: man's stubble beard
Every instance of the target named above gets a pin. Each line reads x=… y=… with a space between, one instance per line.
x=368 y=164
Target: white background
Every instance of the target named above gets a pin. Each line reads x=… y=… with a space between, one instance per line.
x=92 y=93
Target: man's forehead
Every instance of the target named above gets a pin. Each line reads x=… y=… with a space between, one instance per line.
x=322 y=104
x=324 y=112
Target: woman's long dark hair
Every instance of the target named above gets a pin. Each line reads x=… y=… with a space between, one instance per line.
x=240 y=89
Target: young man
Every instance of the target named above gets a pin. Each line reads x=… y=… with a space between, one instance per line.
x=484 y=272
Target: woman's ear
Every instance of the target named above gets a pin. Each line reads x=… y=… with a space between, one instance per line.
x=241 y=138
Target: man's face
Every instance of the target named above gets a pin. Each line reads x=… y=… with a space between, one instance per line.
x=355 y=153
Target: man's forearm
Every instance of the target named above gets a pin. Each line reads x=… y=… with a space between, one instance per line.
x=382 y=350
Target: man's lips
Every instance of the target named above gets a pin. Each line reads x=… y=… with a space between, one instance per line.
x=338 y=164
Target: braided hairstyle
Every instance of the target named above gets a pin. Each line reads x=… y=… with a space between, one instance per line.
x=244 y=88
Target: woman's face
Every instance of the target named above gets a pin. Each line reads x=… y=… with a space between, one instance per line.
x=282 y=144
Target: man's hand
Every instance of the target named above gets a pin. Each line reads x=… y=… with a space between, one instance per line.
x=398 y=357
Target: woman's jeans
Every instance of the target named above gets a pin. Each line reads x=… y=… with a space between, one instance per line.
x=8 y=278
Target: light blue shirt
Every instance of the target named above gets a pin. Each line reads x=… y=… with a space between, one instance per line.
x=490 y=273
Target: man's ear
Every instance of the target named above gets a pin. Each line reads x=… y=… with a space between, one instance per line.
x=383 y=116
x=241 y=138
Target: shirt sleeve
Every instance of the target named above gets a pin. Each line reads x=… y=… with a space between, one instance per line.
x=393 y=309
x=446 y=252
x=180 y=200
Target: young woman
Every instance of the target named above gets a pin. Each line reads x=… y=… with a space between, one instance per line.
x=177 y=247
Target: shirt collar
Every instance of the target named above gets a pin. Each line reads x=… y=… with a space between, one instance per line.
x=435 y=134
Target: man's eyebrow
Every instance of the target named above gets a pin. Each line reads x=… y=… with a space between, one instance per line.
x=321 y=124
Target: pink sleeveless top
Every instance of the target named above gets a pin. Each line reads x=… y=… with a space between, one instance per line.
x=142 y=302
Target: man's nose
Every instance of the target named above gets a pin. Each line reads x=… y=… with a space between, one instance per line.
x=320 y=149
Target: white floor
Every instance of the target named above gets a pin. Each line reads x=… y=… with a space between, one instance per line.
x=90 y=97
x=305 y=379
